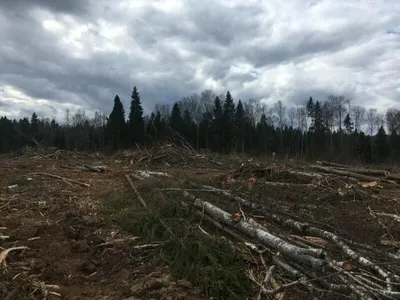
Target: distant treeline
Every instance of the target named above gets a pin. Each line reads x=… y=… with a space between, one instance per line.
x=330 y=129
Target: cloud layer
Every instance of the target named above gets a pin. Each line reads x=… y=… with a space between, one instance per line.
x=80 y=53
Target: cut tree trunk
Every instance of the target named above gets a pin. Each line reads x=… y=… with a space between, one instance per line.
x=306 y=174
x=373 y=172
x=395 y=177
x=306 y=228
x=310 y=256
x=289 y=184
x=347 y=173
x=332 y=164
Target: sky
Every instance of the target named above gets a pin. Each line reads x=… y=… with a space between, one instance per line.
x=78 y=54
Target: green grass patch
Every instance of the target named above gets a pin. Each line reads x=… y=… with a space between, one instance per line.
x=207 y=262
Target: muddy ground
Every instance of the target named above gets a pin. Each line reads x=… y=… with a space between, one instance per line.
x=72 y=240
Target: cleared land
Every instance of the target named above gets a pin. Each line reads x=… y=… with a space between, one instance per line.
x=170 y=223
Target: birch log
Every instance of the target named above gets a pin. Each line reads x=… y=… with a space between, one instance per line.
x=346 y=173
x=289 y=184
x=332 y=164
x=306 y=228
x=309 y=256
x=372 y=172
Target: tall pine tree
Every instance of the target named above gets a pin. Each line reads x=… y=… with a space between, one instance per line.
x=34 y=125
x=239 y=123
x=228 y=121
x=175 y=121
x=135 y=119
x=116 y=129
x=382 y=146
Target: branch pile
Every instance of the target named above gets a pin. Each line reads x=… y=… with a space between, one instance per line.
x=301 y=254
x=168 y=154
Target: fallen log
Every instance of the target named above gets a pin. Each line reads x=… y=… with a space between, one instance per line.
x=372 y=172
x=332 y=164
x=310 y=256
x=289 y=184
x=97 y=169
x=346 y=173
x=133 y=187
x=67 y=180
x=305 y=228
x=395 y=177
x=215 y=162
x=306 y=174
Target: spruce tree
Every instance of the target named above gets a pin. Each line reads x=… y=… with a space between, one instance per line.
x=382 y=146
x=189 y=127
x=175 y=121
x=135 y=119
x=228 y=122
x=116 y=124
x=159 y=124
x=239 y=123
x=318 y=127
x=310 y=108
x=262 y=131
x=151 y=132
x=34 y=125
x=348 y=124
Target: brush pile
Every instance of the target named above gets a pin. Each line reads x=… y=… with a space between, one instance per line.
x=296 y=252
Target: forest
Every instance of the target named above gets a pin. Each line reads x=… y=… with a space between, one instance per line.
x=319 y=129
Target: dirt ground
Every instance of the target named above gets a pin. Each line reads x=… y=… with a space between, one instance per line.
x=66 y=231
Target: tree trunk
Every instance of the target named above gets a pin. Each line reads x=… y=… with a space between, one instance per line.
x=347 y=173
x=308 y=256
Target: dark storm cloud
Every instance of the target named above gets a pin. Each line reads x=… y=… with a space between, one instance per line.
x=76 y=7
x=89 y=51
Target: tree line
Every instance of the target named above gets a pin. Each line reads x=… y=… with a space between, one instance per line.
x=329 y=129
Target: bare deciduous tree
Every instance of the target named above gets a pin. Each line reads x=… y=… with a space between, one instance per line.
x=292 y=116
x=280 y=110
x=371 y=119
x=328 y=113
x=254 y=110
x=393 y=119
x=67 y=117
x=358 y=115
x=339 y=106
x=301 y=115
x=164 y=110
x=79 y=118
x=207 y=98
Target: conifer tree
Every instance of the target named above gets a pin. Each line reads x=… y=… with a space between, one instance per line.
x=175 y=121
x=34 y=125
x=310 y=108
x=135 y=119
x=382 y=146
x=188 y=127
x=228 y=119
x=348 y=124
x=239 y=123
x=116 y=124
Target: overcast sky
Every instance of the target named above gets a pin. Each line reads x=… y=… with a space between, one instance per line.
x=58 y=54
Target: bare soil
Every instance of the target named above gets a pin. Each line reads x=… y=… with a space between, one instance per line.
x=64 y=226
